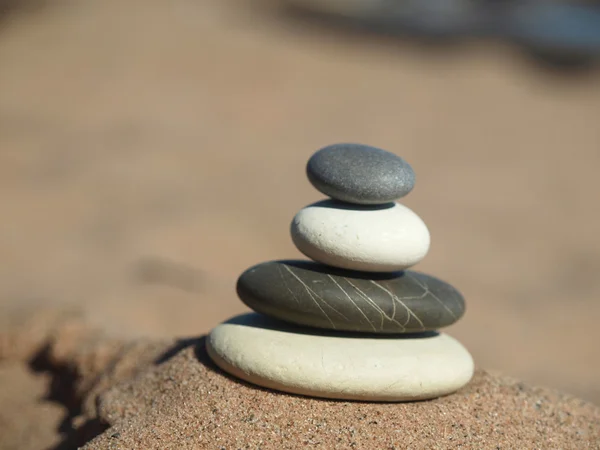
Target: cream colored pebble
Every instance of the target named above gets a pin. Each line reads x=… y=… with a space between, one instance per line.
x=308 y=362
x=370 y=239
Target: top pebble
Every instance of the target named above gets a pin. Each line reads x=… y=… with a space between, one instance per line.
x=360 y=174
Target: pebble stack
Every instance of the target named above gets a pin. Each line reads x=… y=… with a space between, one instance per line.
x=351 y=323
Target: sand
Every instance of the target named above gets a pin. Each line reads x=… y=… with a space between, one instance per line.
x=159 y=394
x=187 y=404
x=26 y=421
x=151 y=151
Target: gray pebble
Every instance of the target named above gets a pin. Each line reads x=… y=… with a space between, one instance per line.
x=360 y=174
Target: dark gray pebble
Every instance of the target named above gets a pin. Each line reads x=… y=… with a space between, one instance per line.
x=315 y=295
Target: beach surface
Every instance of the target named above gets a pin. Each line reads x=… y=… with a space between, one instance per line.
x=152 y=151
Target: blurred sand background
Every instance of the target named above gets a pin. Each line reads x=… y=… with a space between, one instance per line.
x=150 y=151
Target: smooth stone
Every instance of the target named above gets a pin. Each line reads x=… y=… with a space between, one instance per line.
x=311 y=294
x=384 y=238
x=275 y=355
x=360 y=174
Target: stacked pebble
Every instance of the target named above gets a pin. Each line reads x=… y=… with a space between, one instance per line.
x=353 y=323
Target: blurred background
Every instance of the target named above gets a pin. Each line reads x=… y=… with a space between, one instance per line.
x=150 y=151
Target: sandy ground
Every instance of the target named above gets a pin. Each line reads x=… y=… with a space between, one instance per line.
x=151 y=151
x=146 y=394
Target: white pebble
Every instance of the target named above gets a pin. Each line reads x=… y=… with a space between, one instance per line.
x=371 y=239
x=274 y=355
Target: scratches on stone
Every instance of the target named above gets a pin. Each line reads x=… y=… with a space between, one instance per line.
x=427 y=291
x=283 y=280
x=377 y=307
x=402 y=303
x=353 y=302
x=395 y=298
x=313 y=295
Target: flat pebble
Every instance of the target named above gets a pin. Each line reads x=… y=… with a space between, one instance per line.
x=365 y=238
x=360 y=174
x=311 y=294
x=278 y=356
